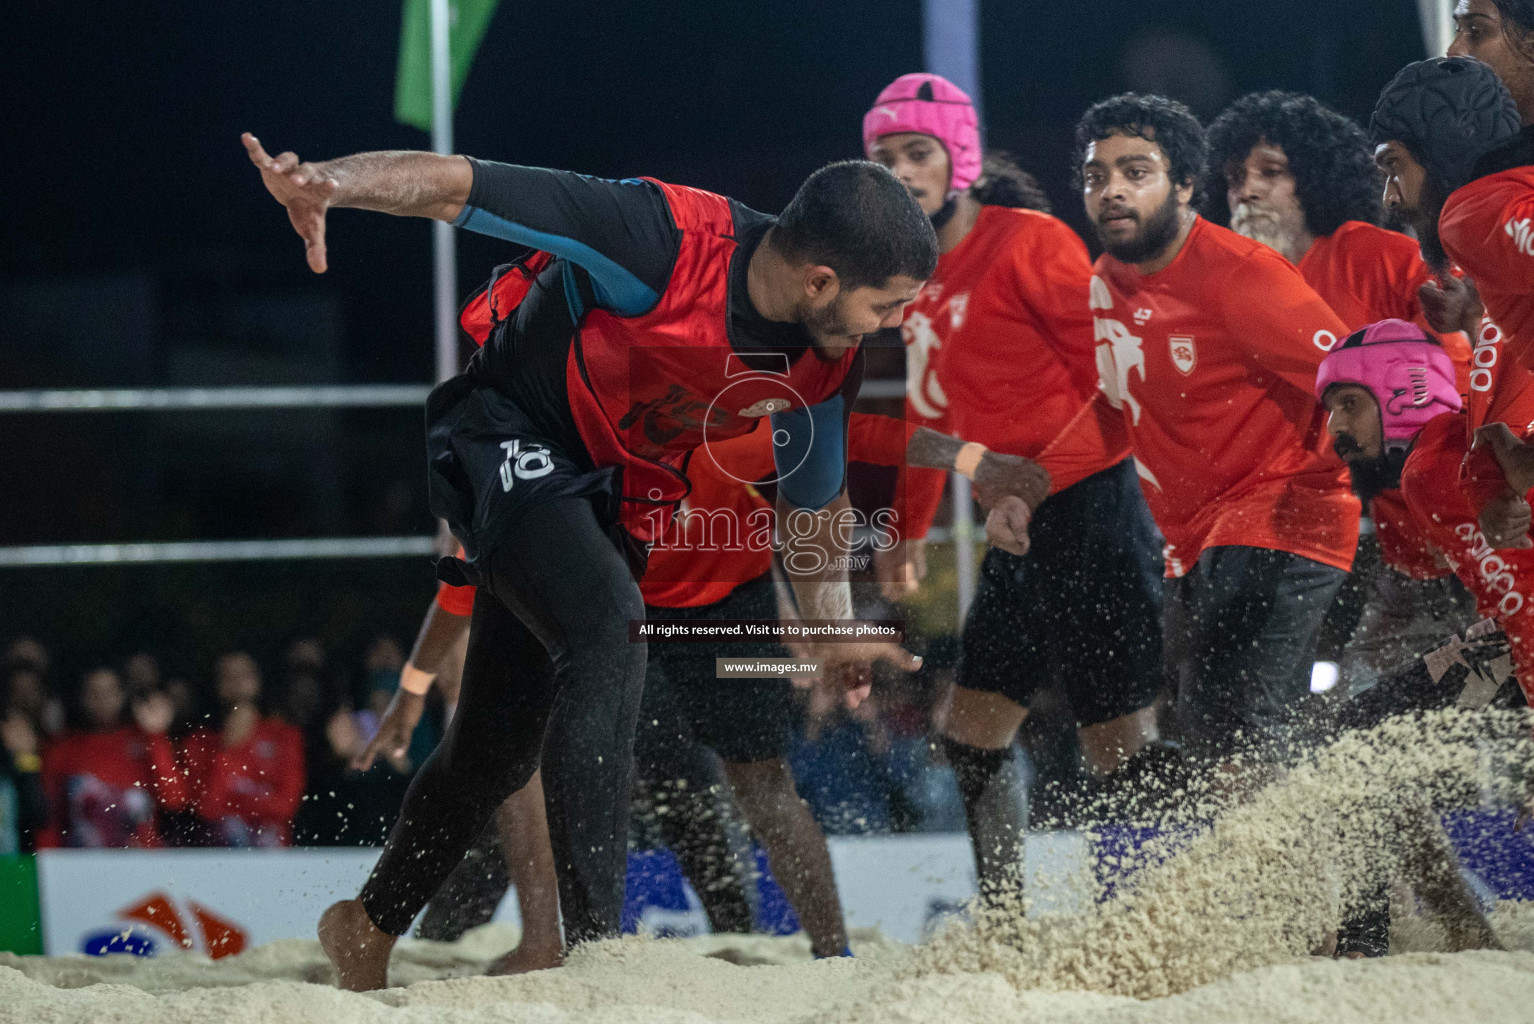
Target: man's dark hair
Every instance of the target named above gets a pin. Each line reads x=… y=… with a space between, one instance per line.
x=1167 y=123
x=1003 y=183
x=1332 y=160
x=856 y=218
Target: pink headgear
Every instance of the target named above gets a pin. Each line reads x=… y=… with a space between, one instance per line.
x=931 y=105
x=1404 y=367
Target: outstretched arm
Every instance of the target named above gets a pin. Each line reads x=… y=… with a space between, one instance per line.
x=403 y=183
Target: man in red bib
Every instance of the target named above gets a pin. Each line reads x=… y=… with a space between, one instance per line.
x=660 y=319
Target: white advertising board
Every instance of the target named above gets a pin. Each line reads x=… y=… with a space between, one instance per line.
x=220 y=901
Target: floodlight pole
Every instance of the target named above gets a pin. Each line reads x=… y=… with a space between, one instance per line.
x=951 y=48
x=444 y=255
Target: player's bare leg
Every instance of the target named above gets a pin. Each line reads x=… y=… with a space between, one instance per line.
x=524 y=832
x=796 y=849
x=1107 y=746
x=356 y=947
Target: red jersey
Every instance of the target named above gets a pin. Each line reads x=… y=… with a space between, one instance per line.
x=1448 y=521
x=1487 y=228
x=103 y=788
x=1208 y=372
x=722 y=535
x=248 y=793
x=1367 y=274
x=999 y=345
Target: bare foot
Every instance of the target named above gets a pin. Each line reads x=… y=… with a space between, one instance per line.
x=526 y=958
x=355 y=945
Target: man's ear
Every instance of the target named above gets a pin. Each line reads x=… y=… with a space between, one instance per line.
x=1185 y=193
x=821 y=284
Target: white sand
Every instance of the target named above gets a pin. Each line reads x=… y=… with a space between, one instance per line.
x=1218 y=934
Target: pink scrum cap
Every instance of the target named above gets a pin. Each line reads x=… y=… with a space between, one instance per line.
x=1403 y=366
x=931 y=105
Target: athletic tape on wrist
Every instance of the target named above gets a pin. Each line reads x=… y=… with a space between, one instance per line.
x=968 y=459
x=413 y=680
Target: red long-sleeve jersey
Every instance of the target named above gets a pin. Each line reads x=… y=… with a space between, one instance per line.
x=1487 y=228
x=103 y=788
x=1208 y=372
x=248 y=793
x=1367 y=274
x=722 y=535
x=1500 y=581
x=999 y=345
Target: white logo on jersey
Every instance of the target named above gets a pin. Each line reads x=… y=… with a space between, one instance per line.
x=1483 y=360
x=1522 y=234
x=922 y=388
x=524 y=463
x=1494 y=570
x=1118 y=352
x=1324 y=340
x=1098 y=296
x=1143 y=314
x=957 y=307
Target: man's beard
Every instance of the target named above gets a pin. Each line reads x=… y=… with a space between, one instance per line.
x=826 y=323
x=1156 y=233
x=1371 y=477
x=1261 y=225
x=1423 y=220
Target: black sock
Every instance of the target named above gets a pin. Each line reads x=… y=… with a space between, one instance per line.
x=996 y=806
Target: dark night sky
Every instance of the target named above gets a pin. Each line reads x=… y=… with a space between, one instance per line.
x=124 y=117
x=122 y=158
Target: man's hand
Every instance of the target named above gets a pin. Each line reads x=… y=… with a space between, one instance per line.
x=304 y=189
x=394 y=731
x=901 y=569
x=1006 y=526
x=1513 y=454
x=849 y=667
x=999 y=475
x=1453 y=305
x=1505 y=521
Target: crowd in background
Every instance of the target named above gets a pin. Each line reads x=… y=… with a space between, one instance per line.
x=255 y=753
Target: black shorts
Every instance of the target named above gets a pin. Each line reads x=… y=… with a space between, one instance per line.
x=1081 y=609
x=486 y=461
x=1241 y=631
x=741 y=720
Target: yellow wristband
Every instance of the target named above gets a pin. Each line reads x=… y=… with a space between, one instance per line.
x=969 y=458
x=413 y=680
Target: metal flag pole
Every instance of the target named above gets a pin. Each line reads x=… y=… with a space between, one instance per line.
x=951 y=48
x=444 y=255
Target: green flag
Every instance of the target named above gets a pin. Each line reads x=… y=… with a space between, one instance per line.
x=468 y=20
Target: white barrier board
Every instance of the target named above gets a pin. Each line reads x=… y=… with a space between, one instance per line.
x=219 y=901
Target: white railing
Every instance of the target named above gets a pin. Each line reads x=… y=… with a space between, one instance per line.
x=347 y=396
